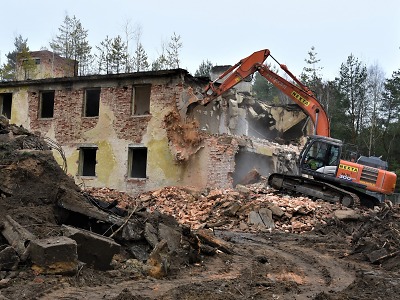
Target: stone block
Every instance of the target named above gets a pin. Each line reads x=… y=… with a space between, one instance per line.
x=172 y=236
x=8 y=258
x=266 y=217
x=347 y=215
x=54 y=255
x=93 y=249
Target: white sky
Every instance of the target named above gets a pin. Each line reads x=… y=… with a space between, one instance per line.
x=224 y=31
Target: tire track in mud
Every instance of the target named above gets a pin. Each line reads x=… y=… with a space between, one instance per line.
x=318 y=272
x=306 y=271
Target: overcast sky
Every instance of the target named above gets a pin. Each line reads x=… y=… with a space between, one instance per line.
x=224 y=31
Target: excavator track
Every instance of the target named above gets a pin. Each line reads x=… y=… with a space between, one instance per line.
x=314 y=189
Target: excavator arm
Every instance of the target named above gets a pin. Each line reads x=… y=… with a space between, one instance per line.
x=299 y=93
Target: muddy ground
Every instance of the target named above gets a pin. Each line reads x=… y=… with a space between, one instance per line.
x=264 y=266
x=332 y=261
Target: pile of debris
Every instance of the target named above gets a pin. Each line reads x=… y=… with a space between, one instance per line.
x=375 y=233
x=251 y=208
x=50 y=225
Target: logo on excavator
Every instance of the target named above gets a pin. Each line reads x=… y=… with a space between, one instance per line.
x=348 y=168
x=300 y=98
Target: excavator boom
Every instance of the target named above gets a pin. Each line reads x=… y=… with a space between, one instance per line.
x=299 y=93
x=333 y=179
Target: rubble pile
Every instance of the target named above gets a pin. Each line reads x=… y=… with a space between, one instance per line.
x=50 y=225
x=374 y=233
x=378 y=238
x=253 y=207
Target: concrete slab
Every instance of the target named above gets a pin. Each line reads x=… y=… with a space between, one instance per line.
x=54 y=255
x=93 y=249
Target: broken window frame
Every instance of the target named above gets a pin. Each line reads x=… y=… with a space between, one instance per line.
x=137 y=168
x=89 y=97
x=46 y=107
x=141 y=95
x=88 y=171
x=6 y=111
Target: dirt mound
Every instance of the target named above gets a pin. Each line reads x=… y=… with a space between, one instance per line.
x=37 y=199
x=30 y=180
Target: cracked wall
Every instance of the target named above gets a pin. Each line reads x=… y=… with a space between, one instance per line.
x=205 y=150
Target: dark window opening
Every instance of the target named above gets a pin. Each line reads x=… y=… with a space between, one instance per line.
x=87 y=161
x=141 y=100
x=46 y=108
x=6 y=104
x=92 y=103
x=137 y=162
x=37 y=61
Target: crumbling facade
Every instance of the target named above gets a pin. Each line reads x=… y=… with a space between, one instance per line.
x=45 y=64
x=123 y=131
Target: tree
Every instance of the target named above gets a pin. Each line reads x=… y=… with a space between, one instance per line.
x=139 y=59
x=311 y=72
x=350 y=105
x=161 y=62
x=174 y=47
x=71 y=43
x=129 y=32
x=264 y=90
x=8 y=70
x=103 y=56
x=391 y=115
x=117 y=55
x=204 y=69
x=375 y=88
x=27 y=63
x=312 y=78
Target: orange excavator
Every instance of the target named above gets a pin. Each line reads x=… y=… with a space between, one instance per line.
x=324 y=174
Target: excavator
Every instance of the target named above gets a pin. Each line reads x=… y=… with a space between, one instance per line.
x=324 y=173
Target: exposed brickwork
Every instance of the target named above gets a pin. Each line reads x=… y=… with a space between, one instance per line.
x=68 y=107
x=221 y=163
x=47 y=65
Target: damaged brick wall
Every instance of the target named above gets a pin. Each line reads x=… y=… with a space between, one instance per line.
x=113 y=131
x=221 y=162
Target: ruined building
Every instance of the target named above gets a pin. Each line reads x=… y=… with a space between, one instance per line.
x=124 y=131
x=47 y=64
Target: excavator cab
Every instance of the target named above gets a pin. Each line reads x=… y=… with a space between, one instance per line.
x=320 y=156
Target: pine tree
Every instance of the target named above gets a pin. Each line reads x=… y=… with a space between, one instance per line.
x=8 y=70
x=174 y=47
x=264 y=90
x=117 y=55
x=161 y=62
x=27 y=63
x=351 y=105
x=71 y=43
x=103 y=56
x=140 y=62
x=204 y=69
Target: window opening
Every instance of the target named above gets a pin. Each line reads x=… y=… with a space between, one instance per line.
x=6 y=104
x=137 y=162
x=141 y=99
x=46 y=108
x=92 y=102
x=87 y=161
